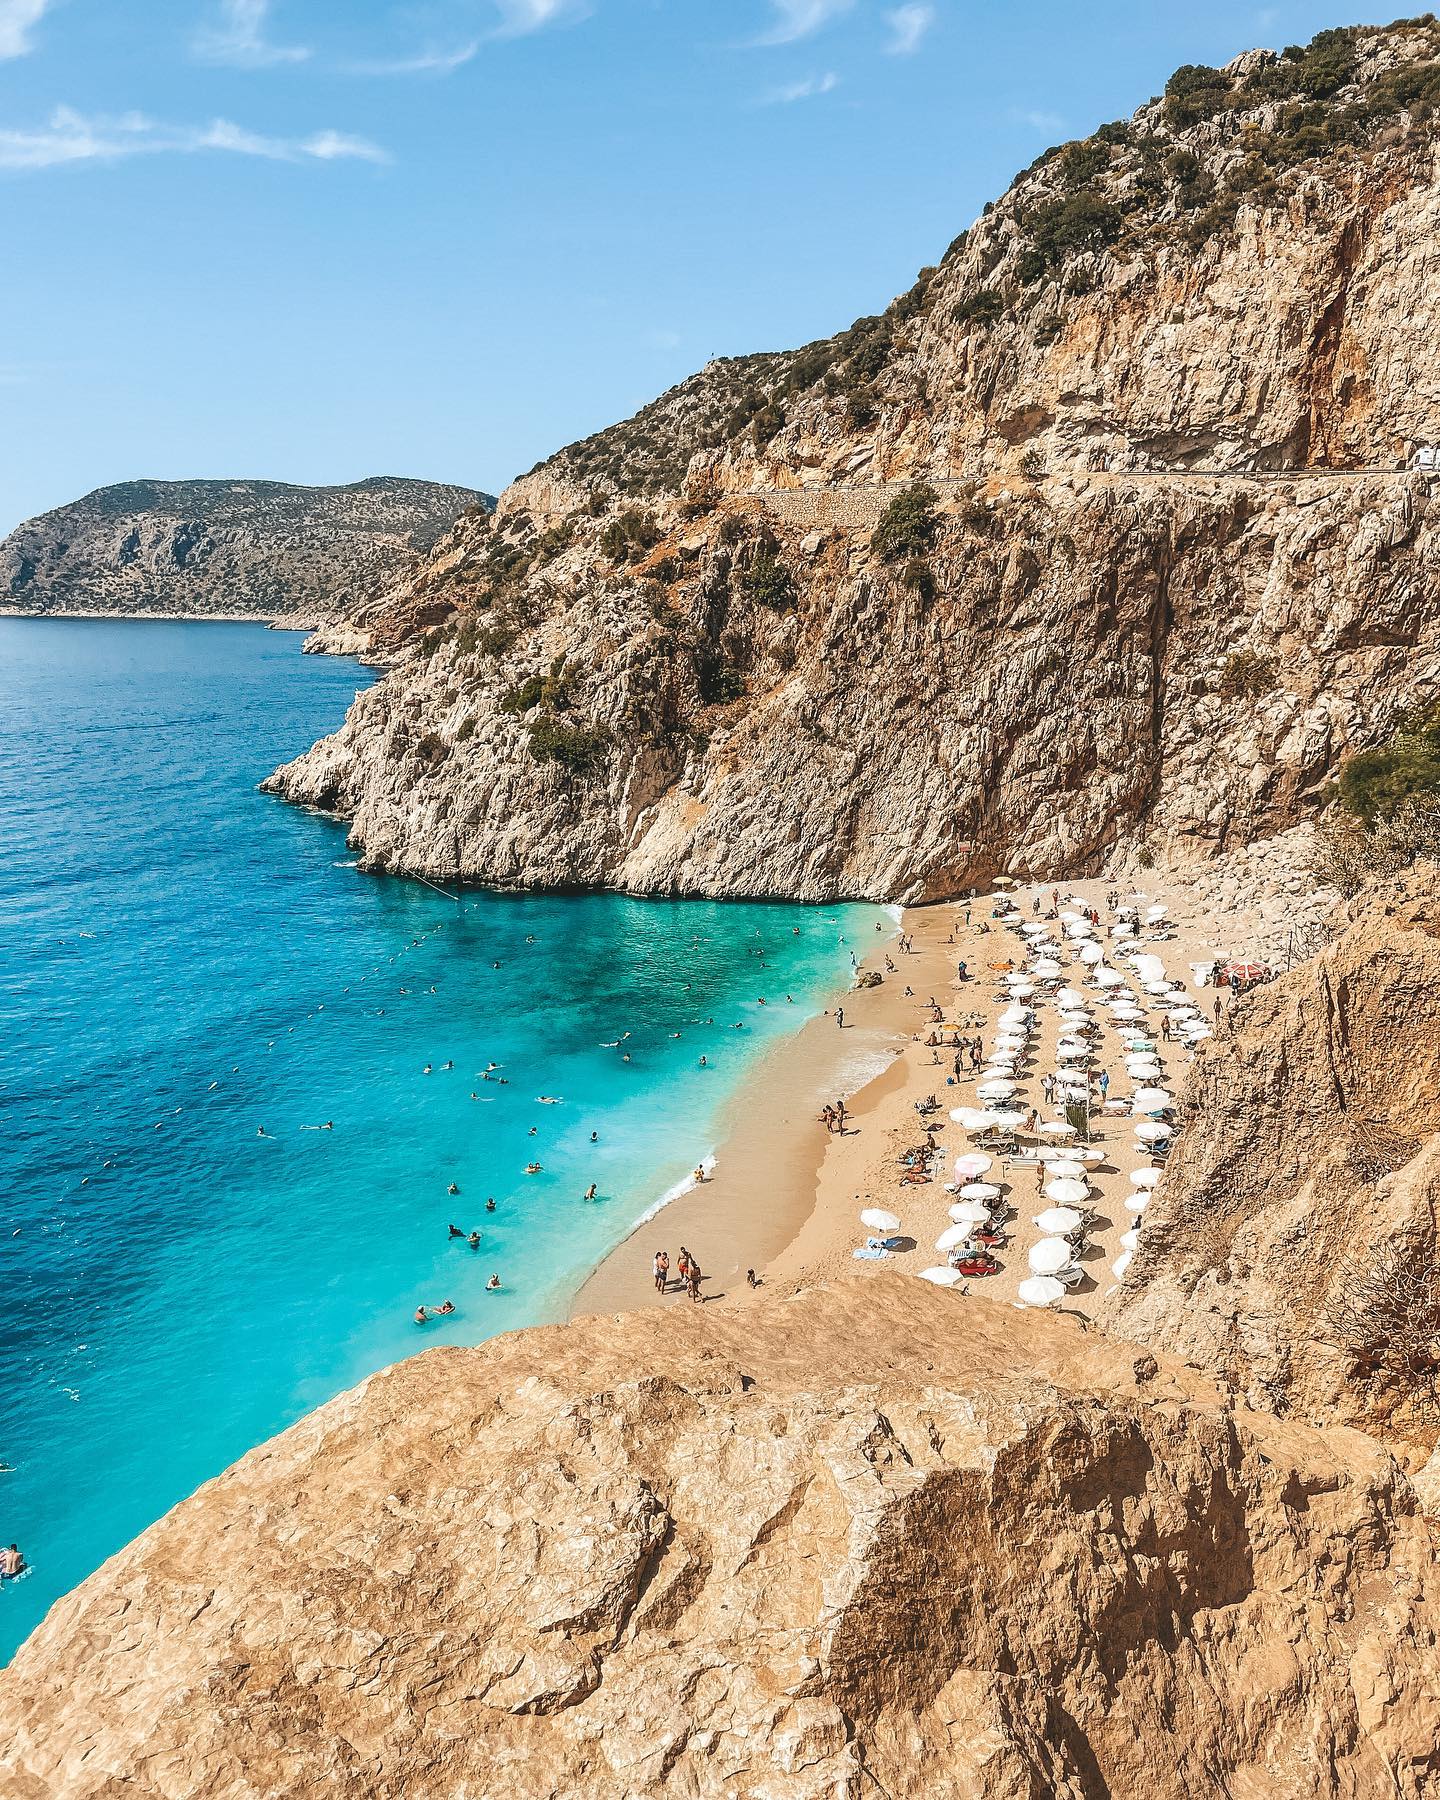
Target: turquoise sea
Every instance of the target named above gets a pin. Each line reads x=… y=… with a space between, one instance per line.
x=185 y=963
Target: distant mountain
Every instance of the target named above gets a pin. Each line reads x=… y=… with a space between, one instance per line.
x=256 y=549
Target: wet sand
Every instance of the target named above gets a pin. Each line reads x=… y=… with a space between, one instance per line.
x=785 y=1198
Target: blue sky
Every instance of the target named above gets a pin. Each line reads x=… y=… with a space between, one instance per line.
x=322 y=239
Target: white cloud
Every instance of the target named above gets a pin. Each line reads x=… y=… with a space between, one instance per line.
x=1036 y=119
x=908 y=24
x=803 y=90
x=238 y=37
x=424 y=62
x=518 y=18
x=18 y=18
x=71 y=137
x=797 y=19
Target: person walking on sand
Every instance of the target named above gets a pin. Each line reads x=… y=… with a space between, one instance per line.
x=840 y=1018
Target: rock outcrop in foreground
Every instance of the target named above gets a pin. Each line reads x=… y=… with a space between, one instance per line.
x=1294 y=1247
x=260 y=549
x=875 y=1539
x=1167 y=391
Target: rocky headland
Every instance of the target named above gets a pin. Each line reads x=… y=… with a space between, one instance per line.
x=875 y=1537
x=227 y=549
x=1099 y=545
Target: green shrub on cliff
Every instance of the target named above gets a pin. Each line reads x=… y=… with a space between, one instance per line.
x=767 y=582
x=579 y=748
x=908 y=525
x=1375 y=784
x=1248 y=674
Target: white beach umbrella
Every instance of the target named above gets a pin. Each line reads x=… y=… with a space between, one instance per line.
x=1047 y=968
x=970 y=1212
x=1157 y=988
x=1136 y=1203
x=1145 y=1178
x=979 y=1190
x=1035 y=928
x=955 y=1234
x=1041 y=1290
x=998 y=1089
x=1013 y=1015
x=1008 y=1118
x=1196 y=1034
x=1092 y=953
x=1059 y=1221
x=1124 y=928
x=1120 y=1265
x=1079 y=928
x=1050 y=1255
x=1069 y=997
x=971 y=1117
x=1087 y=1154
x=1065 y=1164
x=1152 y=1131
x=1142 y=1068
x=941 y=1277
x=1022 y=990
x=1065 y=1190
x=973 y=1165
x=1126 y=907
x=1000 y=1063
x=1130 y=1240
x=877 y=1219
x=1152 y=1099
x=1109 y=978
x=1057 y=1128
x=1156 y=912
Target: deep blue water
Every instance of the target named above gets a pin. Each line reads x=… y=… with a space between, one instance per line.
x=184 y=962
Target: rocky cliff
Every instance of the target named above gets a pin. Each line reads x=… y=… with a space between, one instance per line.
x=258 y=549
x=1293 y=1249
x=980 y=1555
x=1166 y=568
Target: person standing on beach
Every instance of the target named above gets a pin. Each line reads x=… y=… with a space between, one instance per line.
x=840 y=1018
x=661 y=1268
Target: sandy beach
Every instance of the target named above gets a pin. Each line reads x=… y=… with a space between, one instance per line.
x=785 y=1195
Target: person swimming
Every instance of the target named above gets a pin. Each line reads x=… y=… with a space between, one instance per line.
x=452 y=1189
x=533 y=1168
x=473 y=1240
x=590 y=1191
x=455 y=1231
x=492 y=1286
x=490 y=1205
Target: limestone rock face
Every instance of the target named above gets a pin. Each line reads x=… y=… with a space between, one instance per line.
x=874 y=1539
x=1167 y=390
x=1308 y=1163
x=262 y=549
